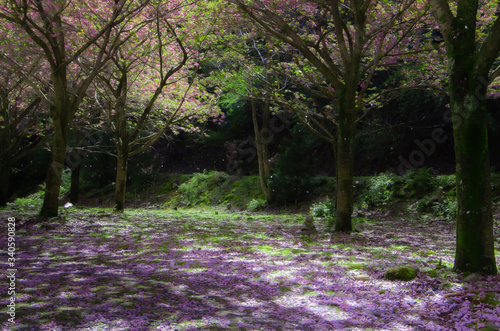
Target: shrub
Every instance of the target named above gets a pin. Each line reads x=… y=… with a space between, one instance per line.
x=323 y=209
x=256 y=204
x=378 y=191
x=420 y=182
x=34 y=200
x=196 y=189
x=446 y=209
x=447 y=182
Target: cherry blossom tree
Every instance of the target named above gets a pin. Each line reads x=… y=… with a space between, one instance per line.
x=336 y=48
x=471 y=31
x=146 y=87
x=64 y=31
x=243 y=78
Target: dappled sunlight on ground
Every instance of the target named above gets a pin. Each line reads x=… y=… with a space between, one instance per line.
x=206 y=270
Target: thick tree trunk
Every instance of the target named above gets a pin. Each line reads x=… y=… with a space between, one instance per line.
x=5 y=181
x=475 y=242
x=121 y=179
x=470 y=62
x=345 y=167
x=62 y=114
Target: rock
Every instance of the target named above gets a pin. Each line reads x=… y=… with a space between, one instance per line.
x=401 y=273
x=308 y=227
x=362 y=277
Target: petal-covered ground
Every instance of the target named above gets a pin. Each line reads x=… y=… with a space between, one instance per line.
x=201 y=269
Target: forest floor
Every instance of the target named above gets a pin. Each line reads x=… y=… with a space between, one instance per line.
x=210 y=269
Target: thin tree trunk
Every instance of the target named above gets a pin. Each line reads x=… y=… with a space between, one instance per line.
x=262 y=158
x=266 y=118
x=475 y=242
x=121 y=178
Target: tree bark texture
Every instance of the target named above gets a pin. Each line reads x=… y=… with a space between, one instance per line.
x=344 y=156
x=121 y=179
x=50 y=205
x=262 y=152
x=470 y=61
x=475 y=242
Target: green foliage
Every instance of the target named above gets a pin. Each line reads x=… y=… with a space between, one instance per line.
x=382 y=189
x=256 y=204
x=420 y=182
x=446 y=209
x=197 y=189
x=209 y=188
x=306 y=240
x=65 y=182
x=323 y=209
x=443 y=207
x=447 y=182
x=243 y=190
x=378 y=191
x=33 y=200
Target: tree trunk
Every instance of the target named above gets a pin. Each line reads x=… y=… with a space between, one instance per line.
x=4 y=180
x=345 y=168
x=61 y=113
x=470 y=62
x=121 y=178
x=475 y=242
x=262 y=154
x=50 y=205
